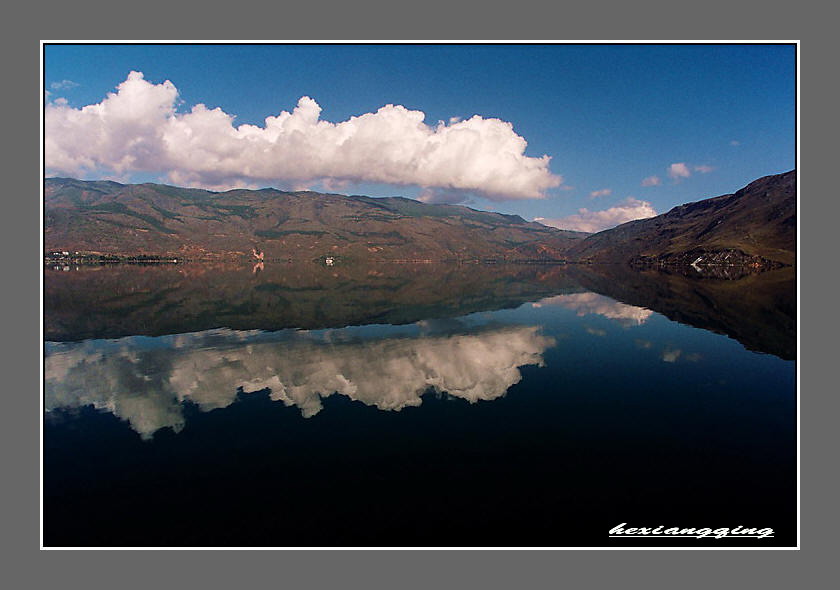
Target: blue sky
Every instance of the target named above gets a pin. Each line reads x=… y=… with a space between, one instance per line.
x=608 y=116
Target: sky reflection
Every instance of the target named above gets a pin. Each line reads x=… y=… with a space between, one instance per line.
x=145 y=380
x=592 y=303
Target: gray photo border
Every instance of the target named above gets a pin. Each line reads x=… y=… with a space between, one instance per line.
x=527 y=20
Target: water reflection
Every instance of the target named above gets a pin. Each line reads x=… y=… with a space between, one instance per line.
x=124 y=300
x=619 y=420
x=145 y=380
x=592 y=303
x=758 y=310
x=129 y=300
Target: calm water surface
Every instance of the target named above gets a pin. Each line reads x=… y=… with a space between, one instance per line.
x=494 y=407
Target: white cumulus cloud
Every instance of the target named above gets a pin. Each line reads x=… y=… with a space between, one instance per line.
x=678 y=171
x=604 y=192
x=651 y=181
x=137 y=129
x=593 y=221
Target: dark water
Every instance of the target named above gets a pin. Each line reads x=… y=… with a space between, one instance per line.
x=415 y=406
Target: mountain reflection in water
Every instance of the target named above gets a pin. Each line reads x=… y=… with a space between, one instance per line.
x=361 y=396
x=146 y=380
x=129 y=300
x=758 y=310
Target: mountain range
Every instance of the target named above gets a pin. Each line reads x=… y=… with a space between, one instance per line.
x=105 y=217
x=753 y=227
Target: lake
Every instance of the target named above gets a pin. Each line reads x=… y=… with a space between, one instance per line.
x=296 y=405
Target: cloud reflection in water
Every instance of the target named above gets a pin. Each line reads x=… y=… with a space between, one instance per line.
x=144 y=380
x=592 y=303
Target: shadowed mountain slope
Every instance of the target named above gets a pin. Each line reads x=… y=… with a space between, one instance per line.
x=756 y=226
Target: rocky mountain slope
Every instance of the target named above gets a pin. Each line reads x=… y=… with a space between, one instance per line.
x=755 y=226
x=109 y=218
